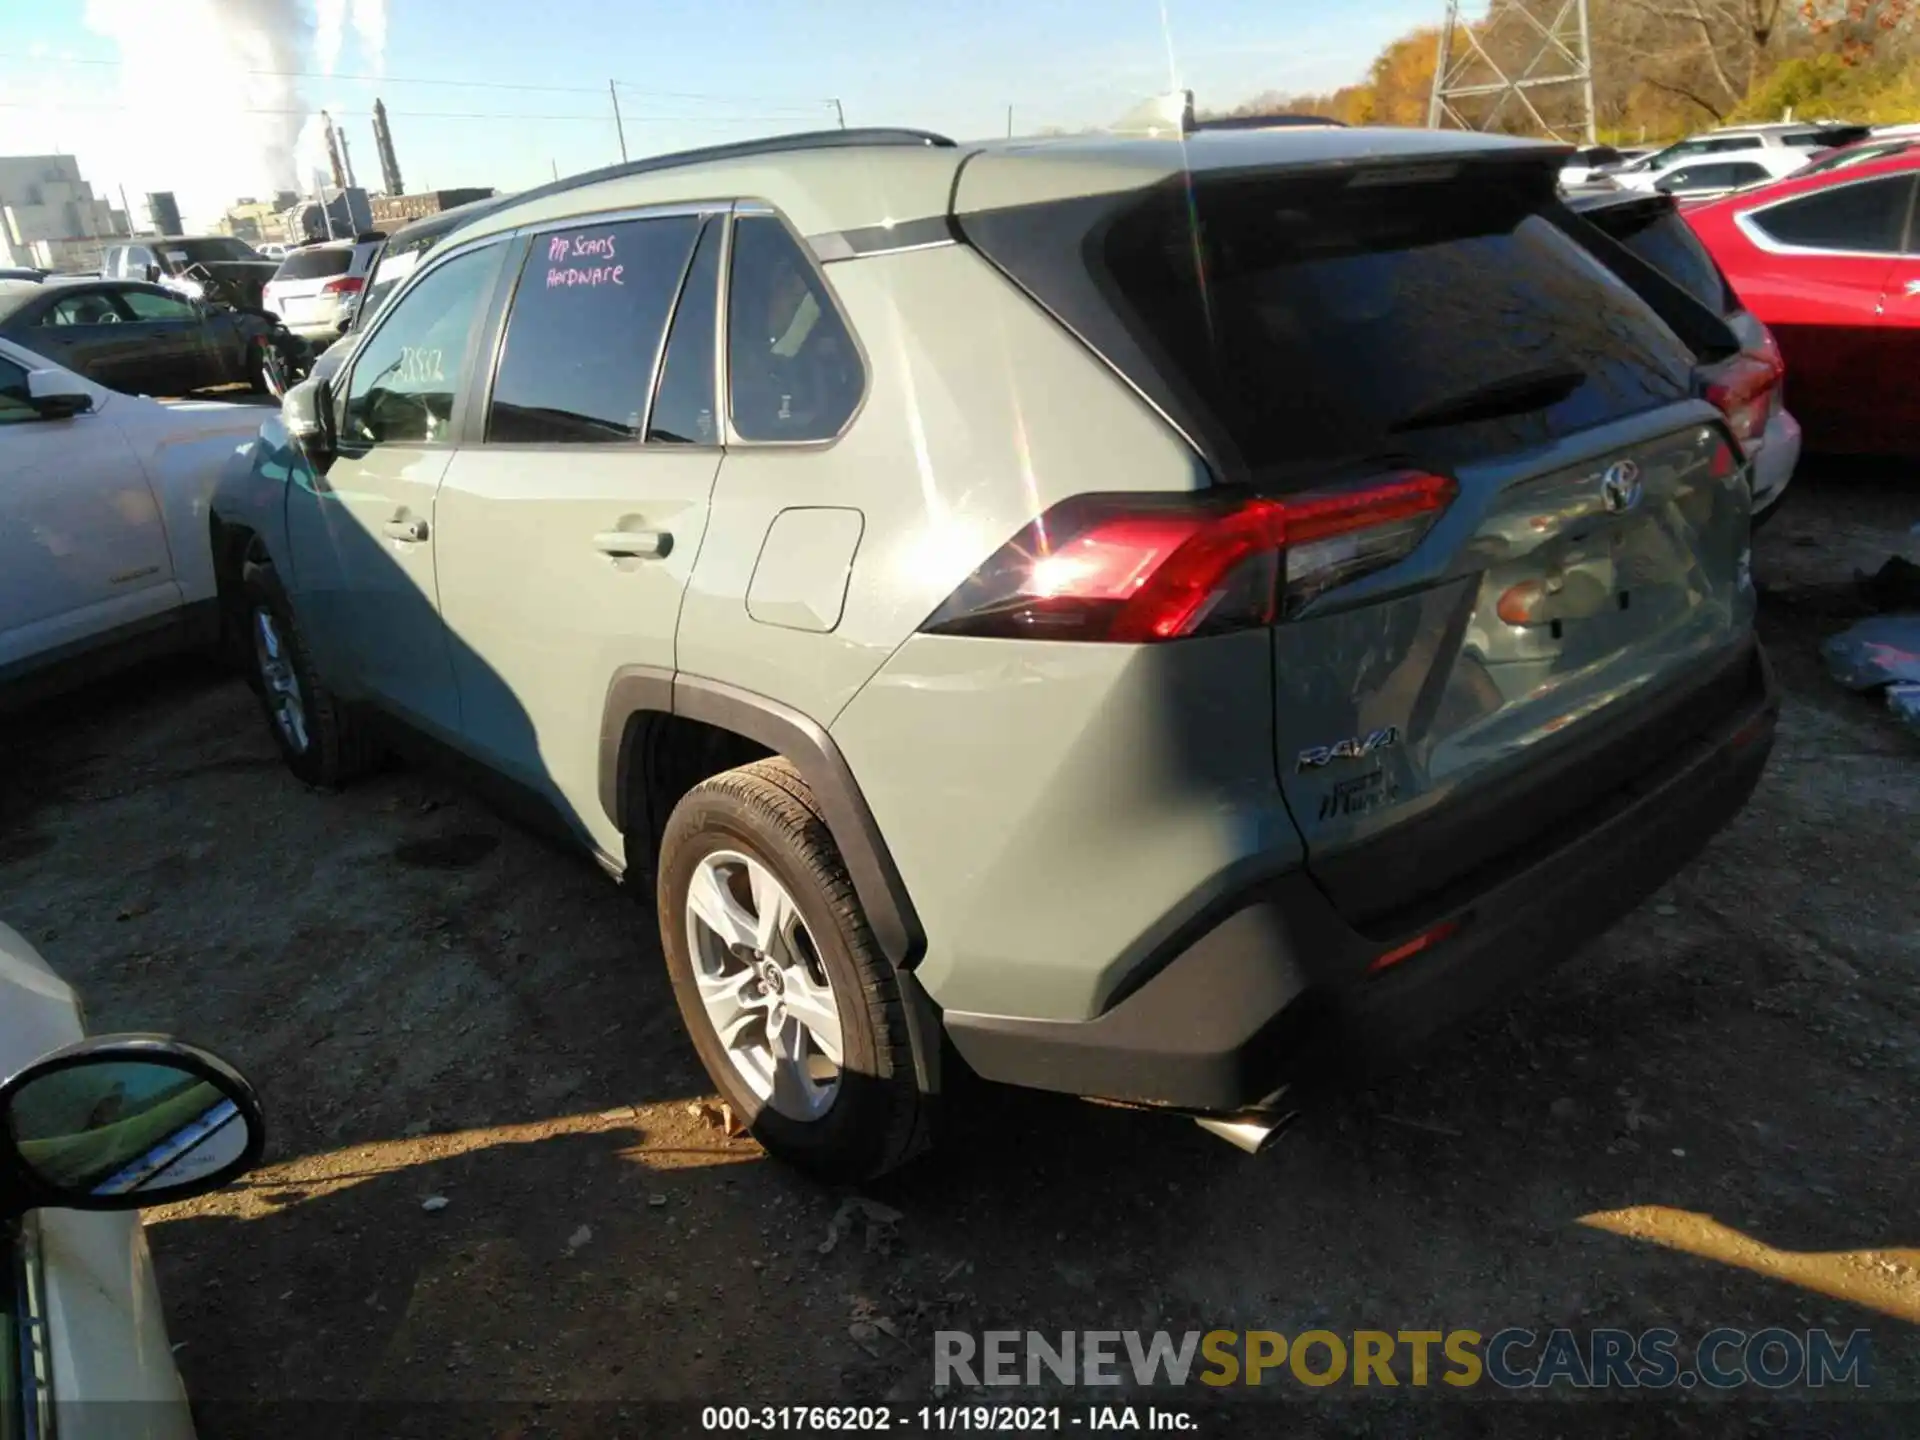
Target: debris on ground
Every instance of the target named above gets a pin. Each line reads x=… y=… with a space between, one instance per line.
x=579 y=1237
x=878 y=1220
x=1883 y=651
x=434 y=1203
x=717 y=1115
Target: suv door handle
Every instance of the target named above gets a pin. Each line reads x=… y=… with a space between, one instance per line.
x=414 y=530
x=634 y=544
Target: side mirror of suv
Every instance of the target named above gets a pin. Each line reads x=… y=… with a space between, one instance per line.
x=307 y=412
x=56 y=395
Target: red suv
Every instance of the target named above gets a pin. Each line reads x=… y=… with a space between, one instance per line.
x=1831 y=262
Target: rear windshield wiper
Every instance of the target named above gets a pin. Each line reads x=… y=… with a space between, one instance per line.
x=1514 y=395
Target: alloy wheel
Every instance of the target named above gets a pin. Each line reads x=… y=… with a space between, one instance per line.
x=764 y=986
x=281 y=684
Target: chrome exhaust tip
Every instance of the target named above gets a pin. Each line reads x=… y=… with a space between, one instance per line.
x=1253 y=1132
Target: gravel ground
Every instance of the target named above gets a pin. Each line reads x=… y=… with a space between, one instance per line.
x=1706 y=1119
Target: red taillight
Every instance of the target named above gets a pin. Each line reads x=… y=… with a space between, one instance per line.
x=1743 y=391
x=344 y=285
x=1133 y=569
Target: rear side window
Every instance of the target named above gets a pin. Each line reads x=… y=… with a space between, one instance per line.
x=588 y=319
x=150 y=305
x=793 y=372
x=314 y=264
x=1661 y=238
x=1869 y=217
x=1308 y=323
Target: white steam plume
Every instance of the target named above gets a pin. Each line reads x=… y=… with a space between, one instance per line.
x=369 y=19
x=216 y=106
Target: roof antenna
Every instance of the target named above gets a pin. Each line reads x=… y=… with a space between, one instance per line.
x=1165 y=117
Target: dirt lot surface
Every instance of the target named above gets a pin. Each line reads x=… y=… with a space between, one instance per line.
x=1707 y=1119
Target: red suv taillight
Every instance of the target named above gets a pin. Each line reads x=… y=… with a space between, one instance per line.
x=344 y=285
x=1132 y=569
x=1744 y=391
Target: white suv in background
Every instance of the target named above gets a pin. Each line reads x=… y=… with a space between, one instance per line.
x=1766 y=144
x=317 y=286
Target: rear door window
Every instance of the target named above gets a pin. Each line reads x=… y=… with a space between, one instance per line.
x=152 y=305
x=1868 y=217
x=683 y=407
x=585 y=332
x=1308 y=322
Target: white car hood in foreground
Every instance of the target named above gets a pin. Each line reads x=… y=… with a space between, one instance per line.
x=107 y=1335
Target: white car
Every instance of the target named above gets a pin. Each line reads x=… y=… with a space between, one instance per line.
x=91 y=1130
x=105 y=549
x=1704 y=178
x=273 y=249
x=317 y=287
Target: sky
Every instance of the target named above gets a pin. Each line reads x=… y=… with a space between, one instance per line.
x=215 y=99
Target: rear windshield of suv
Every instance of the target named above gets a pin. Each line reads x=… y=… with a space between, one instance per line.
x=315 y=264
x=208 y=251
x=1308 y=321
x=1658 y=235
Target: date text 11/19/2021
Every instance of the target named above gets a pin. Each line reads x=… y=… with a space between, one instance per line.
x=926 y=1419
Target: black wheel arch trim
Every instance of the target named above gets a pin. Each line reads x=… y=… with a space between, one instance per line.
x=638 y=691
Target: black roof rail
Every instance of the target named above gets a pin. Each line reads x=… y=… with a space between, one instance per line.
x=737 y=150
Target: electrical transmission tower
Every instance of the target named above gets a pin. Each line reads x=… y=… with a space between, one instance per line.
x=1553 y=54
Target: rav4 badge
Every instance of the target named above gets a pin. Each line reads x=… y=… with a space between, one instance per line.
x=1356 y=747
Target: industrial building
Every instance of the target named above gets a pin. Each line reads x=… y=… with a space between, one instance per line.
x=390 y=211
x=49 y=217
x=258 y=220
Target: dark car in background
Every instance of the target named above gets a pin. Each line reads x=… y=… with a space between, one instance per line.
x=1749 y=387
x=201 y=267
x=138 y=338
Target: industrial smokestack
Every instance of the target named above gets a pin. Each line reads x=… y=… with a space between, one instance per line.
x=163 y=212
x=346 y=158
x=383 y=142
x=334 y=161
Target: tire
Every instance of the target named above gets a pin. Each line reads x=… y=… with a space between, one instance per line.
x=875 y=1117
x=321 y=742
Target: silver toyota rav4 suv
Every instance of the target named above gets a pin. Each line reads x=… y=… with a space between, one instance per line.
x=1147 y=617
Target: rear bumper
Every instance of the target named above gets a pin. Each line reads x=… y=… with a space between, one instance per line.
x=1774 y=465
x=317 y=333
x=1280 y=986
